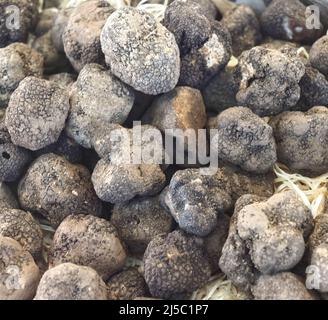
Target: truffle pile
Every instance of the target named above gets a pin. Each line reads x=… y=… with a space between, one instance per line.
x=79 y=78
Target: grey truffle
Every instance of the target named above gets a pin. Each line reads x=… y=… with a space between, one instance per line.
x=89 y=241
x=196 y=200
x=55 y=188
x=17 y=61
x=22 y=227
x=97 y=99
x=36 y=113
x=71 y=282
x=81 y=37
x=301 y=139
x=18 y=272
x=259 y=71
x=140 y=51
x=319 y=55
x=139 y=221
x=245 y=140
x=175 y=264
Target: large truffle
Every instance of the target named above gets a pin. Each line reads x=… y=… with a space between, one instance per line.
x=245 y=140
x=71 y=282
x=56 y=188
x=17 y=61
x=36 y=113
x=175 y=264
x=140 y=51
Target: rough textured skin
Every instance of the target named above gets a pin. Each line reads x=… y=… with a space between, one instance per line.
x=320 y=232
x=140 y=51
x=58 y=28
x=139 y=221
x=196 y=200
x=266 y=238
x=63 y=79
x=245 y=140
x=208 y=8
x=17 y=61
x=282 y=286
x=97 y=98
x=244 y=28
x=119 y=183
x=175 y=264
x=7 y=198
x=301 y=139
x=88 y=18
x=314 y=89
x=259 y=71
x=89 y=241
x=127 y=285
x=18 y=272
x=36 y=113
x=56 y=188
x=287 y=21
x=319 y=55
x=220 y=93
x=22 y=227
x=71 y=282
x=28 y=16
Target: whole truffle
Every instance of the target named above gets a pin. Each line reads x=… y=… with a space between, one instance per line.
x=319 y=55
x=18 y=272
x=196 y=200
x=21 y=226
x=55 y=188
x=301 y=139
x=175 y=264
x=97 y=98
x=260 y=71
x=140 y=51
x=36 y=113
x=89 y=241
x=139 y=221
x=17 y=61
x=245 y=140
x=89 y=18
x=288 y=21
x=17 y=18
x=127 y=285
x=282 y=286
x=71 y=282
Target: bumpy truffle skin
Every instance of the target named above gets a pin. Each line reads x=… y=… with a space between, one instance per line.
x=244 y=28
x=140 y=51
x=119 y=183
x=21 y=226
x=87 y=18
x=17 y=61
x=139 y=221
x=36 y=113
x=71 y=282
x=268 y=81
x=320 y=232
x=17 y=18
x=245 y=140
x=282 y=286
x=127 y=285
x=7 y=198
x=89 y=241
x=195 y=200
x=301 y=139
x=175 y=264
x=319 y=55
x=18 y=272
x=97 y=98
x=287 y=21
x=56 y=188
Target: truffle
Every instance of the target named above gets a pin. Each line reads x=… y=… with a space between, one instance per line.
x=319 y=55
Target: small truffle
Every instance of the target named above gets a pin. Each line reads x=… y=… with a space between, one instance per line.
x=319 y=55
x=175 y=264
x=18 y=272
x=140 y=51
x=71 y=282
x=36 y=113
x=56 y=188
